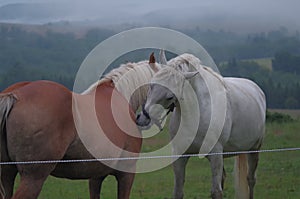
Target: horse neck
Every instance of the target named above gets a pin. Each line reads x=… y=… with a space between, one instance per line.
x=130 y=80
x=134 y=86
x=199 y=85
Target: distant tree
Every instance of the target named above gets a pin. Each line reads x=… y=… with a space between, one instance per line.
x=291 y=103
x=285 y=61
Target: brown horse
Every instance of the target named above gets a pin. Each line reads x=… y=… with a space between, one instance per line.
x=43 y=120
x=15 y=86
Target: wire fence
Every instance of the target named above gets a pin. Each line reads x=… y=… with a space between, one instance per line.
x=148 y=157
x=278 y=176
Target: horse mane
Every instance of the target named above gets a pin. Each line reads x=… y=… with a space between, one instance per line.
x=188 y=62
x=127 y=79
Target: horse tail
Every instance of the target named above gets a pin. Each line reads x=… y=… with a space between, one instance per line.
x=241 y=172
x=7 y=101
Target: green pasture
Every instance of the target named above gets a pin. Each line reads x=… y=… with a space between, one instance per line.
x=278 y=174
x=291 y=112
x=263 y=62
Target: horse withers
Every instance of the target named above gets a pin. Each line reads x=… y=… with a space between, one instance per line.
x=212 y=115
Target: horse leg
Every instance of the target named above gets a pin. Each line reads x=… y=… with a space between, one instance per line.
x=179 y=173
x=223 y=177
x=216 y=164
x=95 y=187
x=252 y=165
x=8 y=176
x=29 y=188
x=125 y=181
x=32 y=180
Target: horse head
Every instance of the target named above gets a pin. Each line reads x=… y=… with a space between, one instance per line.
x=163 y=94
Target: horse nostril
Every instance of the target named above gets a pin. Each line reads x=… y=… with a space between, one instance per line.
x=138 y=116
x=145 y=113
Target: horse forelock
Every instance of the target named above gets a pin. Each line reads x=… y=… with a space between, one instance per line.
x=171 y=78
x=167 y=73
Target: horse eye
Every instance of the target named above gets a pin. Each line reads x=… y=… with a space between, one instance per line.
x=169 y=98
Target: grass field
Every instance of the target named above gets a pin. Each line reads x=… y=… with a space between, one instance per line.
x=278 y=173
x=292 y=112
x=263 y=62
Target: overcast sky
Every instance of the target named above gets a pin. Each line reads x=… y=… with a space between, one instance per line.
x=286 y=6
x=279 y=12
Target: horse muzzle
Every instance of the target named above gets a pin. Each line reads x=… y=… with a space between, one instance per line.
x=143 y=121
x=143 y=118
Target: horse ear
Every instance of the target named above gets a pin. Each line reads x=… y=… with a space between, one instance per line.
x=152 y=58
x=152 y=62
x=162 y=57
x=189 y=75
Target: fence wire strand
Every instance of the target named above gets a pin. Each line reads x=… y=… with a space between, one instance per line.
x=147 y=157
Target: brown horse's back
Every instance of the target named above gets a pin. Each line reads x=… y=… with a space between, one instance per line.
x=40 y=119
x=15 y=86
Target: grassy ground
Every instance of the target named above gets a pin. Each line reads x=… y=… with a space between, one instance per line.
x=294 y=113
x=264 y=62
x=278 y=173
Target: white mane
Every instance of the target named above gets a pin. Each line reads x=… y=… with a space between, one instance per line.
x=127 y=79
x=188 y=62
x=174 y=78
x=185 y=62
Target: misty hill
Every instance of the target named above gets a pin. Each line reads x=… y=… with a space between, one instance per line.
x=35 y=12
x=44 y=52
x=236 y=16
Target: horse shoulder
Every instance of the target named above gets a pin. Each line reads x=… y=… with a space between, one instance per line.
x=116 y=117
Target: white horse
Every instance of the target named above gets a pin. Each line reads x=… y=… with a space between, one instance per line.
x=212 y=115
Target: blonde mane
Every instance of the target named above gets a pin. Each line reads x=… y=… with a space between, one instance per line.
x=129 y=79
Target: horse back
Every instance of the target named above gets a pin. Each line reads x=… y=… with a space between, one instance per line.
x=15 y=86
x=44 y=99
x=41 y=118
x=244 y=92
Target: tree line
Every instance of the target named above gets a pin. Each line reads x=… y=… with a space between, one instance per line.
x=282 y=88
x=31 y=55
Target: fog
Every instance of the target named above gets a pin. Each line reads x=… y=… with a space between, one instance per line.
x=237 y=15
